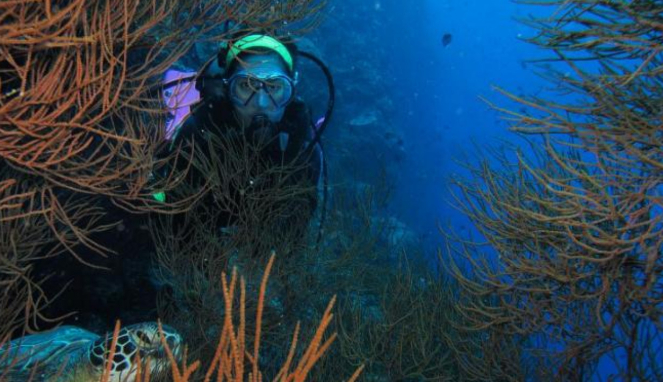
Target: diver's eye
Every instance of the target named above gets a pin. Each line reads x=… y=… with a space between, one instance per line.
x=245 y=85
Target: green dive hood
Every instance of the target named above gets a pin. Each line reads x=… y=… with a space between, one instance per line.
x=259 y=41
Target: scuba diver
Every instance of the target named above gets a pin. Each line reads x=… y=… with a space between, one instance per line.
x=249 y=92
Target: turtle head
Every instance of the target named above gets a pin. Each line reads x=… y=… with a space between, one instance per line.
x=140 y=341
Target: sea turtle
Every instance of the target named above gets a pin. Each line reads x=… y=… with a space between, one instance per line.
x=72 y=354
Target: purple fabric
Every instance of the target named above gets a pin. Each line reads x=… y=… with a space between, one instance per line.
x=178 y=99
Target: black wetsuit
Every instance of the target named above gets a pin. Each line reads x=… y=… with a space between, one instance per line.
x=218 y=119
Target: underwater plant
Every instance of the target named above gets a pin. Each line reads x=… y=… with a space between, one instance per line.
x=572 y=263
x=395 y=315
x=234 y=360
x=261 y=204
x=26 y=236
x=92 y=358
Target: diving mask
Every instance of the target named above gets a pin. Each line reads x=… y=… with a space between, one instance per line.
x=243 y=88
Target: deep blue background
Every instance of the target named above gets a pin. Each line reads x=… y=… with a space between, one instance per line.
x=444 y=119
x=393 y=49
x=388 y=61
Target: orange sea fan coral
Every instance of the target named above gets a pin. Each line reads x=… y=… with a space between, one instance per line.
x=237 y=361
x=575 y=222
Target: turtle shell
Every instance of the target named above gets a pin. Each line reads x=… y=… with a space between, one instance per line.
x=45 y=354
x=70 y=353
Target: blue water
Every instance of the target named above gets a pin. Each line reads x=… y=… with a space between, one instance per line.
x=446 y=119
x=437 y=93
x=436 y=90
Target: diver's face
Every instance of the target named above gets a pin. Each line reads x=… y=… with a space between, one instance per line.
x=256 y=97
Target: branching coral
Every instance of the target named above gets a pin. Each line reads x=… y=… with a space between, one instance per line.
x=262 y=205
x=235 y=359
x=577 y=225
x=35 y=226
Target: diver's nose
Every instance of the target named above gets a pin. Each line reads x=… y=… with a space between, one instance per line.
x=263 y=99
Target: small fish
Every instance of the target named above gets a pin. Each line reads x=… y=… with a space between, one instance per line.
x=446 y=39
